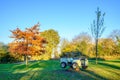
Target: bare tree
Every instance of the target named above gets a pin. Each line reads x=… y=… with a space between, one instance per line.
x=114 y=34
x=97 y=28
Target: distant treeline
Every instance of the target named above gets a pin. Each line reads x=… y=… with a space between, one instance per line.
x=81 y=45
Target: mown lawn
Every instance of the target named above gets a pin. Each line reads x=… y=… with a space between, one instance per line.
x=51 y=70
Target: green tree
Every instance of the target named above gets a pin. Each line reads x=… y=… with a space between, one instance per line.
x=78 y=46
x=5 y=56
x=3 y=49
x=97 y=28
x=65 y=48
x=63 y=44
x=82 y=42
x=53 y=40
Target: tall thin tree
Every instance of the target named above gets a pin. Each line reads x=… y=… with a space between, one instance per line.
x=97 y=28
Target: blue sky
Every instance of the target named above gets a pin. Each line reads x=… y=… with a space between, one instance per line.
x=68 y=17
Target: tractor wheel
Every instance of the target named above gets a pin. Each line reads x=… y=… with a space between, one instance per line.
x=84 y=67
x=63 y=65
x=75 y=66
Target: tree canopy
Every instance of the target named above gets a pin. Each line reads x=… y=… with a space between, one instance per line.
x=28 y=42
x=53 y=39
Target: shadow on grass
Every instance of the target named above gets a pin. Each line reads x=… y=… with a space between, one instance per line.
x=94 y=75
x=116 y=61
x=109 y=65
x=52 y=75
x=54 y=72
x=62 y=74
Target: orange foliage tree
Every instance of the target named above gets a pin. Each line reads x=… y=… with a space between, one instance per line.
x=28 y=42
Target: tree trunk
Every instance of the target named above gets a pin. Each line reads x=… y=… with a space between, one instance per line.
x=96 y=49
x=26 y=60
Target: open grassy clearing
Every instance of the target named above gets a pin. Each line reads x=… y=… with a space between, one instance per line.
x=51 y=70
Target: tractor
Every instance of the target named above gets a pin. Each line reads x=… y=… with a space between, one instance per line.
x=74 y=63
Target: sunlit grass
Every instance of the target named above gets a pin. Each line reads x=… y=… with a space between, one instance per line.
x=51 y=70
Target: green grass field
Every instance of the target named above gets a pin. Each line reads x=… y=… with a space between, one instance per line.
x=51 y=70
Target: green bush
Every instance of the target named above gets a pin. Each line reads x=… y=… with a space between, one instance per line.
x=7 y=58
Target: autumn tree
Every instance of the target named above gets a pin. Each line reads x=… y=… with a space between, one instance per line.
x=106 y=47
x=27 y=42
x=53 y=39
x=115 y=36
x=97 y=28
x=118 y=46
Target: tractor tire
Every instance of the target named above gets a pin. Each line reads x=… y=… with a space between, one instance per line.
x=63 y=65
x=75 y=66
x=84 y=67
